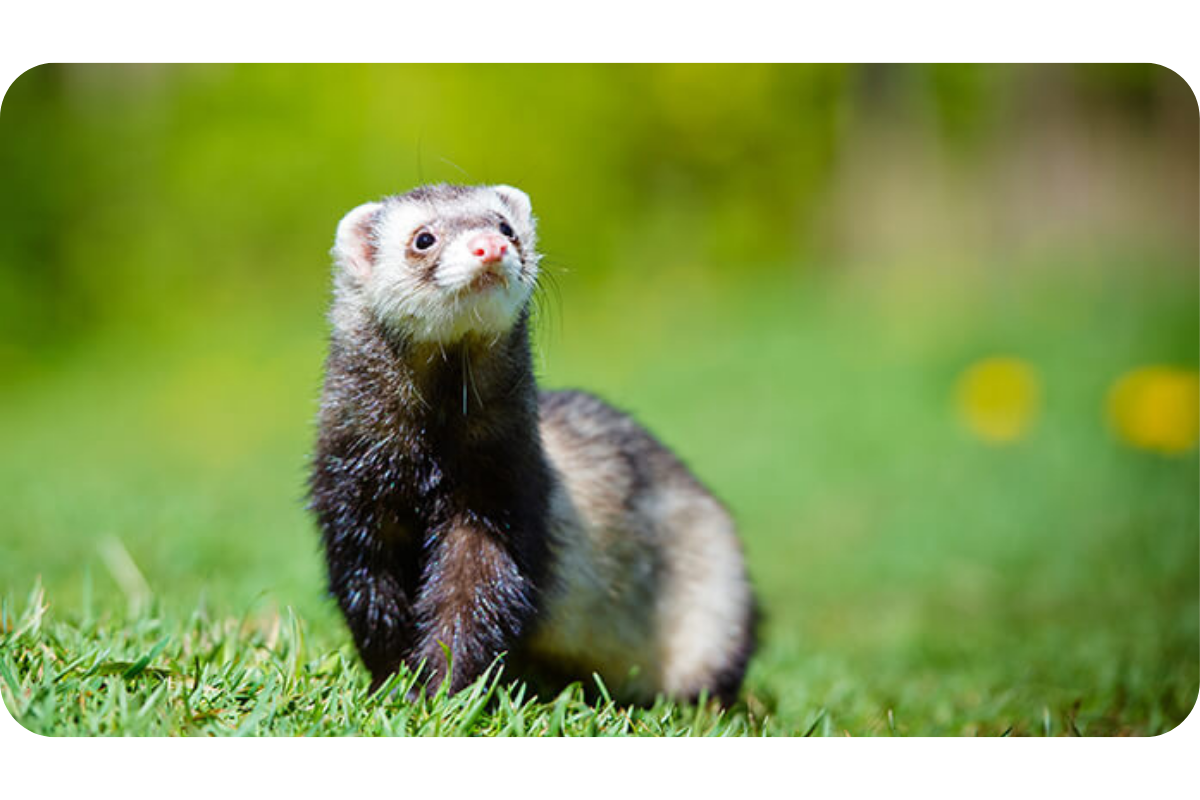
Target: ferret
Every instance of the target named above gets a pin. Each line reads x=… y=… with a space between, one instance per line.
x=465 y=513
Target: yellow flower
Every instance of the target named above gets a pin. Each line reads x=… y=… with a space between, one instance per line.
x=998 y=398
x=1157 y=408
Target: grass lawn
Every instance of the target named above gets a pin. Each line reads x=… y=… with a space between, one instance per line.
x=159 y=575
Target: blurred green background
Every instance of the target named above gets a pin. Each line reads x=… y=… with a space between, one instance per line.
x=784 y=271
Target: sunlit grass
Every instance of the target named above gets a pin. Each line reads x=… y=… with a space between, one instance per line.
x=914 y=580
x=256 y=675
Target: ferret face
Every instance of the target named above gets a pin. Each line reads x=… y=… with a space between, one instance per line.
x=442 y=261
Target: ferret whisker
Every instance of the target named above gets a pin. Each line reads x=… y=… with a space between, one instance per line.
x=548 y=303
x=466 y=174
x=471 y=378
x=551 y=261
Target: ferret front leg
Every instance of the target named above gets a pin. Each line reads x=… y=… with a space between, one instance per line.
x=376 y=608
x=474 y=599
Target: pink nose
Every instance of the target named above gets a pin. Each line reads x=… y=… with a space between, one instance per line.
x=488 y=247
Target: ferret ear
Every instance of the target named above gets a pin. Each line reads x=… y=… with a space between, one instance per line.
x=517 y=200
x=354 y=247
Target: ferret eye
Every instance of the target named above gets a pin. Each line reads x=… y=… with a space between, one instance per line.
x=506 y=229
x=424 y=240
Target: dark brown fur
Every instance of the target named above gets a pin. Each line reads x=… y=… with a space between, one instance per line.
x=430 y=488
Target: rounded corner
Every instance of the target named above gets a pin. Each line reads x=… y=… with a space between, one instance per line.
x=16 y=722
x=1183 y=722
x=1181 y=79
x=19 y=78
x=15 y=72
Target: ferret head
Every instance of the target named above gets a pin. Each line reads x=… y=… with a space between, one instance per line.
x=441 y=261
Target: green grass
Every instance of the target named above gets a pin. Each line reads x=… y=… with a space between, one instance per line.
x=161 y=577
x=258 y=676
